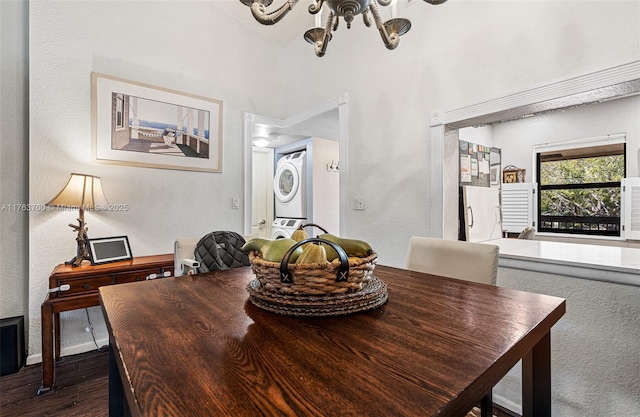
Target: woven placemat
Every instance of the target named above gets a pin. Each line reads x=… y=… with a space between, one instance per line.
x=372 y=295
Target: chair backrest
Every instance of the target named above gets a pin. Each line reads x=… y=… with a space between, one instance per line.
x=220 y=250
x=469 y=261
x=185 y=248
x=529 y=233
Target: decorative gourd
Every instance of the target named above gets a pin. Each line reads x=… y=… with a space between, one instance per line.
x=312 y=254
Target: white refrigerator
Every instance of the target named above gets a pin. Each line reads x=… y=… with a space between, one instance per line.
x=482 y=213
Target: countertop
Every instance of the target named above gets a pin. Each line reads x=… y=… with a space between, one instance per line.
x=602 y=263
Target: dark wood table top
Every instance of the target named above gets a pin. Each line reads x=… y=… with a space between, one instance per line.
x=194 y=345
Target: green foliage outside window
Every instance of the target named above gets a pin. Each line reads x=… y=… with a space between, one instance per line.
x=599 y=202
x=583 y=171
x=597 y=198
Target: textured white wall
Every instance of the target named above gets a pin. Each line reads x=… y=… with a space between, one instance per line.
x=13 y=158
x=595 y=359
x=181 y=45
x=469 y=51
x=481 y=135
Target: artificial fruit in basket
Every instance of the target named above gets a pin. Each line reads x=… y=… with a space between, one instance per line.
x=299 y=234
x=272 y=250
x=353 y=247
x=312 y=254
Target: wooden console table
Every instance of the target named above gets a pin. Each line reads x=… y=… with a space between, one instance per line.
x=74 y=288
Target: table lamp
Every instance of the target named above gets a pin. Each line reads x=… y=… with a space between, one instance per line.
x=83 y=192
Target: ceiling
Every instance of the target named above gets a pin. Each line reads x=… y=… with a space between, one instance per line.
x=324 y=125
x=291 y=27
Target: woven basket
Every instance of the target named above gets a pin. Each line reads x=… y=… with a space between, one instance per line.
x=373 y=295
x=346 y=275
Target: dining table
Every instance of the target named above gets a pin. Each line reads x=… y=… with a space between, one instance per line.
x=196 y=345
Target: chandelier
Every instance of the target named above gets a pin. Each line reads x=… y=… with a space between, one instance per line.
x=319 y=37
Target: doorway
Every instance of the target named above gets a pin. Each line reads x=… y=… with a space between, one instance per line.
x=328 y=120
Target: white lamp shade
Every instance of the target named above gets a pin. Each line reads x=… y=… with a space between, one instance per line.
x=81 y=191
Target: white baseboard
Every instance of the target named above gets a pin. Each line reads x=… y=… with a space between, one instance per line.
x=70 y=350
x=33 y=359
x=508 y=404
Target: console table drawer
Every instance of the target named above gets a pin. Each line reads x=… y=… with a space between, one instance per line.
x=141 y=275
x=82 y=285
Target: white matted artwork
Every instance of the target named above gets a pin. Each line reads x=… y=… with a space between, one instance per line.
x=143 y=125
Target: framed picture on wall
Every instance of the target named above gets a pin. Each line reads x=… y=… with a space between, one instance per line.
x=143 y=125
x=512 y=174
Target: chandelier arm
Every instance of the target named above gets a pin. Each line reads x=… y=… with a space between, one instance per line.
x=385 y=2
x=320 y=47
x=316 y=6
x=390 y=40
x=259 y=12
x=366 y=18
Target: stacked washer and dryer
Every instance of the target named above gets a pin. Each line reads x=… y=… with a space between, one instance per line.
x=289 y=187
x=305 y=190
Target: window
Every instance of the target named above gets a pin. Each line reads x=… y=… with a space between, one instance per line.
x=579 y=188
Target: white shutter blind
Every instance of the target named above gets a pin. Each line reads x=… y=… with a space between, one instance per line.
x=631 y=208
x=517 y=206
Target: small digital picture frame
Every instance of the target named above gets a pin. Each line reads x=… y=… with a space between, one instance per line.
x=109 y=249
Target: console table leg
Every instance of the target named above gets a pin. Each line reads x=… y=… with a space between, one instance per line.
x=56 y=335
x=46 y=312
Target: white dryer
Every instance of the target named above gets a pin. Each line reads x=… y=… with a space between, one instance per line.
x=284 y=228
x=290 y=186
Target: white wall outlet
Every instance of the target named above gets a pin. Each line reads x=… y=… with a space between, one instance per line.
x=235 y=203
x=359 y=203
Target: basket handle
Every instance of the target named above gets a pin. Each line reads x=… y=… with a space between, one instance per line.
x=343 y=272
x=302 y=226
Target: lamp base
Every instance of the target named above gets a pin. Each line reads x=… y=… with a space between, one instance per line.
x=83 y=239
x=77 y=260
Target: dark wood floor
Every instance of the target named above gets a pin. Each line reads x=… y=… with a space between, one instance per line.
x=81 y=389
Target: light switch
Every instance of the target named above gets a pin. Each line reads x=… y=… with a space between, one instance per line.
x=235 y=203
x=359 y=204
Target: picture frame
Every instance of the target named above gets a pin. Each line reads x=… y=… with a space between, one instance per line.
x=512 y=174
x=109 y=249
x=509 y=177
x=143 y=125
